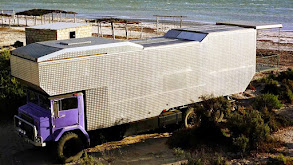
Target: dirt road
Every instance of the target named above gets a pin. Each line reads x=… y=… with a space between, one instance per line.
x=13 y=150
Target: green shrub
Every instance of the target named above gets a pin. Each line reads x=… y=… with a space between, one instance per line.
x=241 y=143
x=212 y=108
x=281 y=85
x=248 y=124
x=89 y=160
x=285 y=75
x=12 y=93
x=269 y=101
x=179 y=153
x=280 y=160
x=271 y=86
x=208 y=133
x=181 y=139
x=286 y=94
x=196 y=161
x=220 y=161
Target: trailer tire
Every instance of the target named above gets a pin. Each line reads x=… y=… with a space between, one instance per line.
x=191 y=119
x=69 y=147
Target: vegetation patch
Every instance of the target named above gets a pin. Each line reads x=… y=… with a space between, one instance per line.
x=280 y=160
x=12 y=94
x=243 y=129
x=280 y=84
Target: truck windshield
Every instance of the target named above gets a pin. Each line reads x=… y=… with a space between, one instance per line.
x=38 y=99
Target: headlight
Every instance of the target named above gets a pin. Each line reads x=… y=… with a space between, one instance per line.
x=19 y=123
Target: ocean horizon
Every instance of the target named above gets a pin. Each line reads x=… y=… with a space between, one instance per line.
x=266 y=11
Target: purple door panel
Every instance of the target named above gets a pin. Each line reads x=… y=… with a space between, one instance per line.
x=66 y=118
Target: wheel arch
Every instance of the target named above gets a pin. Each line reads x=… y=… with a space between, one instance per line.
x=77 y=130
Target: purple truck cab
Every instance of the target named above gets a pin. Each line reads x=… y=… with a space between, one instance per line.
x=44 y=119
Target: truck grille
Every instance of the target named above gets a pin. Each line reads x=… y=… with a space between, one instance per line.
x=25 y=126
x=27 y=118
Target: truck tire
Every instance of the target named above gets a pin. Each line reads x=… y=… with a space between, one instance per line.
x=69 y=147
x=191 y=119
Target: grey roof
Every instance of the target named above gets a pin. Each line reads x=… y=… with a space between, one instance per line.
x=157 y=41
x=57 y=26
x=255 y=25
x=36 y=50
x=210 y=28
x=78 y=42
x=198 y=33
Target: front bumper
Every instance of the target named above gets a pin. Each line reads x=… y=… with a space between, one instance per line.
x=28 y=131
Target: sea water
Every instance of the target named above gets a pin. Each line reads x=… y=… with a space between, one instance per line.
x=269 y=11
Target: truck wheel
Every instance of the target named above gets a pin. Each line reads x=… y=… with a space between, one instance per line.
x=69 y=147
x=191 y=119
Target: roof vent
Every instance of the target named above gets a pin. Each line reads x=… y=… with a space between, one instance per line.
x=75 y=43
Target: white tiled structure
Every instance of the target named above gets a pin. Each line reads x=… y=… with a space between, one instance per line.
x=134 y=80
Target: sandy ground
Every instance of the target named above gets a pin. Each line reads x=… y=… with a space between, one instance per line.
x=140 y=149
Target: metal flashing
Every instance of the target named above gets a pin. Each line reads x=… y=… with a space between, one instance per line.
x=255 y=25
x=57 y=26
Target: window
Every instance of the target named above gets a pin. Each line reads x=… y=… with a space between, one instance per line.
x=69 y=103
x=72 y=34
x=44 y=102
x=38 y=99
x=32 y=97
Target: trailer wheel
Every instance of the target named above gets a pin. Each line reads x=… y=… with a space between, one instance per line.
x=191 y=119
x=69 y=148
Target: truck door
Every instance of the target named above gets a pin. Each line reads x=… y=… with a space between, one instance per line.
x=66 y=112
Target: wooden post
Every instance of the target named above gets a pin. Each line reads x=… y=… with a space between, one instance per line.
x=279 y=40
x=157 y=24
x=60 y=17
x=35 y=20
x=52 y=17
x=9 y=21
x=101 y=29
x=180 y=21
x=74 y=18
x=17 y=20
x=2 y=18
x=97 y=27
x=13 y=15
x=25 y=20
x=126 y=31
x=65 y=17
x=44 y=19
x=141 y=30
x=113 y=30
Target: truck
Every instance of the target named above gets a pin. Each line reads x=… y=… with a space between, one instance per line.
x=88 y=84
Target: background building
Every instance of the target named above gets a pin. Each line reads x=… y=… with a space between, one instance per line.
x=57 y=31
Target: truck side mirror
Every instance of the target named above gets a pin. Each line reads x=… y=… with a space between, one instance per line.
x=56 y=108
